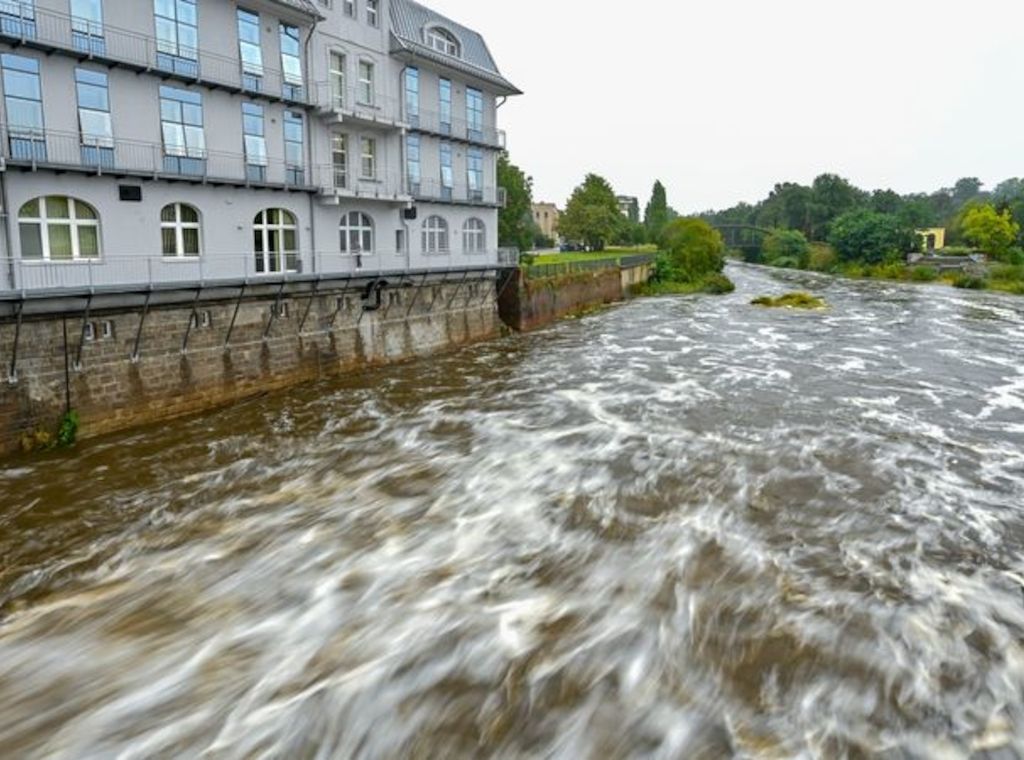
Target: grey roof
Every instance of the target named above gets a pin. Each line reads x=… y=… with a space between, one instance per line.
x=409 y=20
x=306 y=6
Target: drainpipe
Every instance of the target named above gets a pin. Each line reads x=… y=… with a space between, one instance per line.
x=5 y=217
x=309 y=142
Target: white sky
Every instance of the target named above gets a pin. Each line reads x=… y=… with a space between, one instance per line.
x=720 y=99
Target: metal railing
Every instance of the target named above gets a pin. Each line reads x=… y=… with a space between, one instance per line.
x=432 y=190
x=40 y=26
x=103 y=155
x=351 y=103
x=447 y=125
x=344 y=182
x=140 y=273
x=539 y=271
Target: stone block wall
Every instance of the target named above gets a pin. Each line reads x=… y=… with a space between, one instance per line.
x=111 y=391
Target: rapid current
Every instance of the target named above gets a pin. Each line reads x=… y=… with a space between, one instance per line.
x=681 y=528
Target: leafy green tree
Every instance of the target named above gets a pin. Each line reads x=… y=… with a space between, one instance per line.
x=992 y=231
x=870 y=237
x=656 y=214
x=516 y=228
x=694 y=249
x=592 y=214
x=788 y=205
x=786 y=248
x=832 y=196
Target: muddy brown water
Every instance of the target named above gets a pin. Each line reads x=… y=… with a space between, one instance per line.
x=681 y=528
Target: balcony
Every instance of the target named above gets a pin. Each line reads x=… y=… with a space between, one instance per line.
x=50 y=31
x=337 y=183
x=143 y=273
x=458 y=130
x=339 y=105
x=68 y=151
x=432 y=191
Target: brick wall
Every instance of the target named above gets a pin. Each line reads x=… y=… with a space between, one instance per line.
x=111 y=392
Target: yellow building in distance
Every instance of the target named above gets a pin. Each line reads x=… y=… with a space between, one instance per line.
x=934 y=238
x=546 y=216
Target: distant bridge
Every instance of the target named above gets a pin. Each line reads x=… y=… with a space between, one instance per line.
x=747 y=238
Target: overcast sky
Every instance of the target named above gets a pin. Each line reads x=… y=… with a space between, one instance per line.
x=720 y=99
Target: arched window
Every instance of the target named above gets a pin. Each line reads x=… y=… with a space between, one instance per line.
x=179 y=230
x=58 y=228
x=356 y=233
x=474 y=236
x=275 y=241
x=442 y=41
x=435 y=235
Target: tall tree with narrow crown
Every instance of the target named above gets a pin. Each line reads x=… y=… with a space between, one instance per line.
x=656 y=214
x=515 y=220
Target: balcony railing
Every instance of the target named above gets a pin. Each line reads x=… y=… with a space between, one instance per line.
x=344 y=182
x=48 y=29
x=100 y=155
x=446 y=125
x=135 y=273
x=432 y=190
x=352 y=104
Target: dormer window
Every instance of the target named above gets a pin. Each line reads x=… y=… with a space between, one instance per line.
x=442 y=41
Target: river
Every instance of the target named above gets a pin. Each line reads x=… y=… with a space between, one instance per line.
x=680 y=528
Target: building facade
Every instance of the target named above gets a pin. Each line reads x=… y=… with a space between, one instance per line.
x=166 y=141
x=545 y=216
x=629 y=206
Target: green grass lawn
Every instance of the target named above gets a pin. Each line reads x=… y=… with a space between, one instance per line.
x=607 y=253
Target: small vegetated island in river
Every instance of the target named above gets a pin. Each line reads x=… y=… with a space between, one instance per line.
x=797 y=300
x=834 y=227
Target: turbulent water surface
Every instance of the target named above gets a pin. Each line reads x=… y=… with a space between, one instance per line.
x=682 y=528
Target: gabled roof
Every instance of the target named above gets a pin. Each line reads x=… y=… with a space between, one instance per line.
x=410 y=20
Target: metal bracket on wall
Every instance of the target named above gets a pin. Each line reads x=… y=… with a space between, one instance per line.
x=12 y=371
x=234 y=316
x=309 y=306
x=416 y=295
x=81 y=337
x=384 y=316
x=487 y=289
x=138 y=333
x=433 y=297
x=337 y=308
x=274 y=312
x=462 y=282
x=192 y=319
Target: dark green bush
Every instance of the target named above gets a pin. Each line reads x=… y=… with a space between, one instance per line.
x=924 y=274
x=969 y=282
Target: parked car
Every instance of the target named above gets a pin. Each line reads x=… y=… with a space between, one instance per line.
x=572 y=248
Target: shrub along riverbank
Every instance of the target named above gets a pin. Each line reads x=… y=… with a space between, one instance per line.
x=691 y=261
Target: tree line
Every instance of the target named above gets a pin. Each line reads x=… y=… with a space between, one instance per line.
x=592 y=216
x=881 y=225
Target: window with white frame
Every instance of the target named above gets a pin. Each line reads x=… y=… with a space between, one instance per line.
x=336 y=74
x=368 y=158
x=412 y=163
x=58 y=228
x=366 y=87
x=474 y=113
x=275 y=241
x=339 y=159
x=254 y=140
x=435 y=235
x=474 y=236
x=181 y=122
x=356 y=230
x=442 y=41
x=179 y=230
x=350 y=8
x=475 y=174
x=412 y=95
x=294 y=129
x=373 y=12
x=23 y=101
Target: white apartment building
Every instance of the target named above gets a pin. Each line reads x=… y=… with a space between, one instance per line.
x=169 y=141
